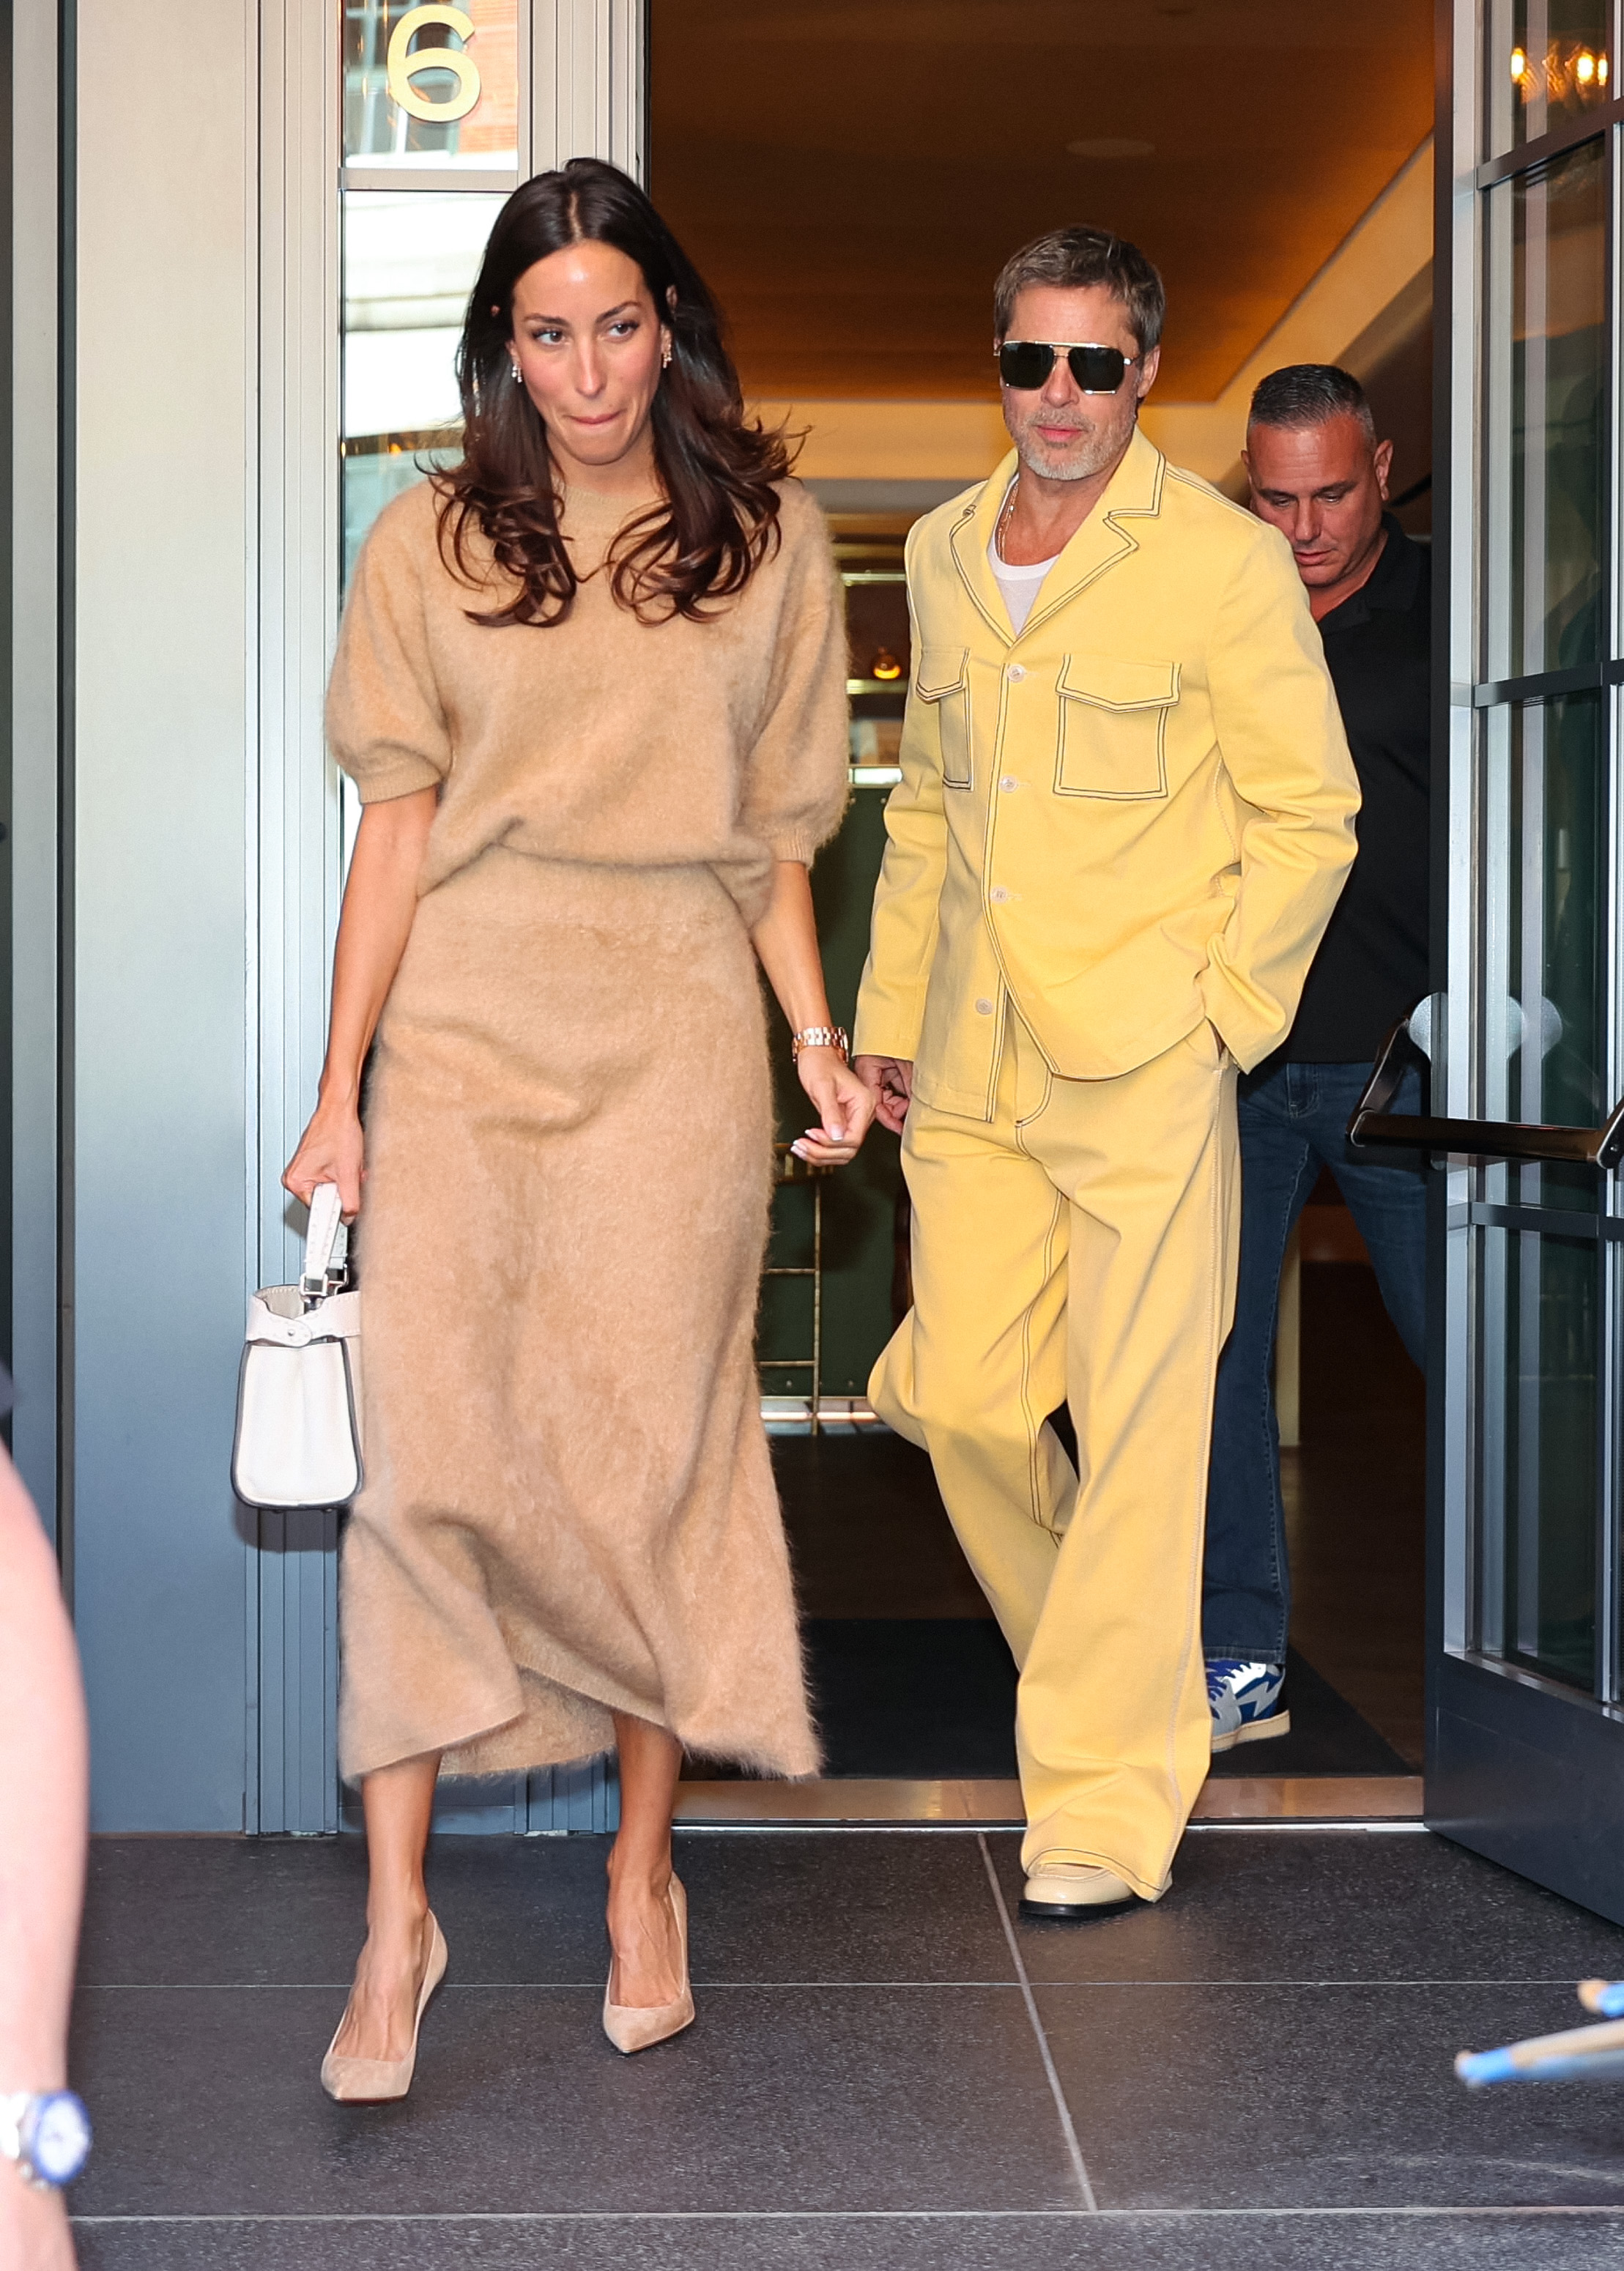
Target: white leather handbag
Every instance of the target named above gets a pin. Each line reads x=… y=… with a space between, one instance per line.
x=298 y=1439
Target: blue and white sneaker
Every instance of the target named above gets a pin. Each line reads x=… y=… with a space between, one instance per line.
x=1244 y=1700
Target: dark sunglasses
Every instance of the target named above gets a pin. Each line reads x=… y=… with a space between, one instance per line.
x=1026 y=364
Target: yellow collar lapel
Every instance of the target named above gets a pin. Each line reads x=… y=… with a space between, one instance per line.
x=1132 y=493
x=972 y=534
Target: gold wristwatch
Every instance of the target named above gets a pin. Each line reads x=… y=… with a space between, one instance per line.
x=820 y=1036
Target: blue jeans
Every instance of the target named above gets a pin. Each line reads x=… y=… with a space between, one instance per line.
x=1292 y=1122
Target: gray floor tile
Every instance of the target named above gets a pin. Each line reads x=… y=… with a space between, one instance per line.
x=1305 y=1905
x=772 y=1906
x=799 y=2105
x=1566 y=2242
x=205 y=2101
x=228 y=1912
x=848 y=1906
x=1227 y=2096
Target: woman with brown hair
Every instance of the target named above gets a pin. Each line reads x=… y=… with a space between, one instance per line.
x=590 y=685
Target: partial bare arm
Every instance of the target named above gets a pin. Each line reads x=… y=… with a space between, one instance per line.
x=42 y=1803
x=380 y=900
x=787 y=943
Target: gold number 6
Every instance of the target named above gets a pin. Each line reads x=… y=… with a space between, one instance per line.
x=405 y=64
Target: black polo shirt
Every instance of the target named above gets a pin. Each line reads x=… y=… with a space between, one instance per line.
x=1372 y=967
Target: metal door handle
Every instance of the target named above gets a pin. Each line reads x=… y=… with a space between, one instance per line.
x=1477 y=1139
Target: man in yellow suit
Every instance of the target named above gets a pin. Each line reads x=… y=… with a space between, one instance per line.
x=1126 y=811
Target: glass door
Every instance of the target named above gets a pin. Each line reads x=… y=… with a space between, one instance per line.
x=1526 y=1729
x=434 y=125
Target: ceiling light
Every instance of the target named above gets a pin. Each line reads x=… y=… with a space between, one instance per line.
x=1519 y=66
x=1111 y=145
x=1601 y=70
x=1585 y=67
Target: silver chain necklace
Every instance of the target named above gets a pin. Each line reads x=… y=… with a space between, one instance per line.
x=1003 y=521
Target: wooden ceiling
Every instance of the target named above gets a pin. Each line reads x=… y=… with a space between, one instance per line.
x=850 y=174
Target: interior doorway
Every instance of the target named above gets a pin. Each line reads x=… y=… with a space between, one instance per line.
x=849 y=188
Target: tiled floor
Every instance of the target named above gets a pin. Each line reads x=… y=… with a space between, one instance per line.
x=887 y=2073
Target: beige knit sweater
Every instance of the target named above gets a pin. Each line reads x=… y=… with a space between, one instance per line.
x=601 y=739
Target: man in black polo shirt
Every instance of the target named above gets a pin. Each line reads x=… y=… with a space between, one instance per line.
x=1319 y=475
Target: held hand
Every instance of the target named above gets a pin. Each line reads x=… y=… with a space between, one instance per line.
x=330 y=1150
x=845 y=1108
x=890 y=1081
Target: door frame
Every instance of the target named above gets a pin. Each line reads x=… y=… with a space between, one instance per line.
x=585 y=95
x=173 y=601
x=1515 y=1760
x=40 y=785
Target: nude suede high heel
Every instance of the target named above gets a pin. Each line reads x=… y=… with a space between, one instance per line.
x=373 y=2082
x=638 y=2027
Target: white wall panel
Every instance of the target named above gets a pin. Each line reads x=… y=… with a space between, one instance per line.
x=163 y=640
x=590 y=97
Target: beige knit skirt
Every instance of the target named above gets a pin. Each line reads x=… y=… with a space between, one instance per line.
x=569 y=1506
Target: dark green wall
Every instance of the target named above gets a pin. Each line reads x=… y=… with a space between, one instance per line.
x=860 y=1201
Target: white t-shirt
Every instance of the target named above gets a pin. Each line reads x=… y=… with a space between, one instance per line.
x=1019 y=585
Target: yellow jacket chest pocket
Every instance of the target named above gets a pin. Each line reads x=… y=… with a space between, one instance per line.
x=1112 y=728
x=943 y=679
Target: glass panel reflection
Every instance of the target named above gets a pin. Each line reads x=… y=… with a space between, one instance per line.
x=1543 y=1012
x=410 y=259
x=1548 y=63
x=1541 y=1299
x=1545 y=409
x=402 y=110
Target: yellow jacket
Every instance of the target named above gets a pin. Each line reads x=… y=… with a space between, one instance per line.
x=1137 y=814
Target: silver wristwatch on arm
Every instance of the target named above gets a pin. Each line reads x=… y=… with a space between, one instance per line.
x=47 y=2132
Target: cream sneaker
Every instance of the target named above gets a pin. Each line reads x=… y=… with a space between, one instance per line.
x=1073 y=1889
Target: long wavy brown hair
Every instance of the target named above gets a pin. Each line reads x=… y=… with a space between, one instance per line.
x=718 y=516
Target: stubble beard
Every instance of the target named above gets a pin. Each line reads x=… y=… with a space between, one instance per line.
x=1095 y=455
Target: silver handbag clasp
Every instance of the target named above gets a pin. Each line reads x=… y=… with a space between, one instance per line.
x=335 y=1276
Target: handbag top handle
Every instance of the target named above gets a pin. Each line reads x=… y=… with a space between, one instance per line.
x=326 y=1244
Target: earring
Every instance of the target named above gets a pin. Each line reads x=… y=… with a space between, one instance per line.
x=518 y=376
x=665 y=357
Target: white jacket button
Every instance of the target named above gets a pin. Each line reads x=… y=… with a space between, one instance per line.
x=1016 y=670
x=998 y=894
x=984 y=1008
x=1009 y=782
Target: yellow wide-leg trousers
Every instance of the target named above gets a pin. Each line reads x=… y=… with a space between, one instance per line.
x=1080 y=1248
